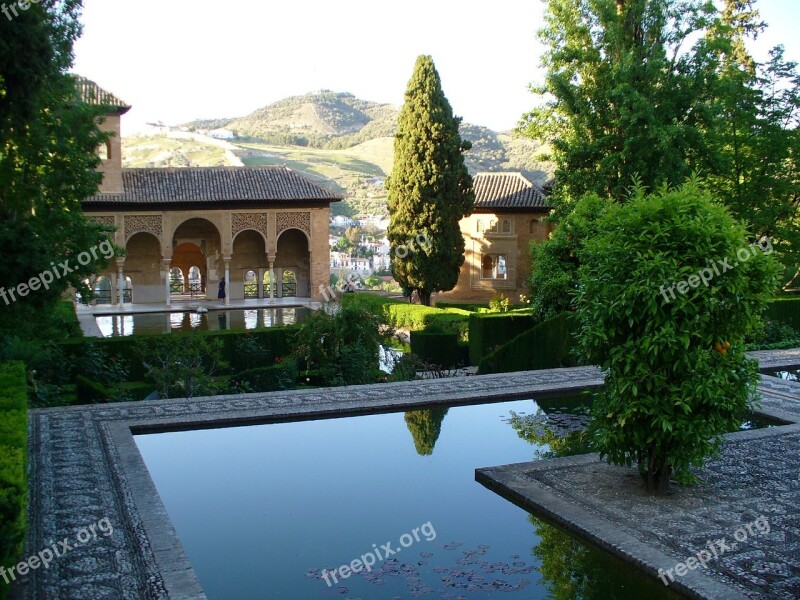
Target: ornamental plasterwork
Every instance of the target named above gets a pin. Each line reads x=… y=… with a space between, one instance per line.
x=254 y=221
x=143 y=223
x=294 y=220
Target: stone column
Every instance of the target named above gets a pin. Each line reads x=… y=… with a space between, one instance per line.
x=227 y=280
x=121 y=280
x=167 y=288
x=272 y=285
x=260 y=283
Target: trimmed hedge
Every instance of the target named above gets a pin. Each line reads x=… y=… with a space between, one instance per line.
x=279 y=340
x=469 y=307
x=489 y=331
x=416 y=317
x=439 y=348
x=786 y=310
x=545 y=346
x=13 y=458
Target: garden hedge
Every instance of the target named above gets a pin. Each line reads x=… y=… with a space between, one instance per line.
x=13 y=458
x=545 y=346
x=280 y=376
x=439 y=348
x=786 y=310
x=277 y=339
x=415 y=317
x=489 y=331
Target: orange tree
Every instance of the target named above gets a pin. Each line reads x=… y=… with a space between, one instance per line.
x=668 y=289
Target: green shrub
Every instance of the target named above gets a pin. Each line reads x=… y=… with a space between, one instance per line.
x=548 y=345
x=467 y=307
x=489 y=331
x=279 y=376
x=240 y=350
x=785 y=310
x=415 y=317
x=339 y=349
x=438 y=348
x=554 y=262
x=181 y=366
x=677 y=377
x=13 y=458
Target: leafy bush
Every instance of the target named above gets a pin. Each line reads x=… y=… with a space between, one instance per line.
x=181 y=367
x=775 y=336
x=13 y=458
x=340 y=349
x=548 y=345
x=677 y=377
x=500 y=303
x=554 y=262
x=490 y=331
x=404 y=315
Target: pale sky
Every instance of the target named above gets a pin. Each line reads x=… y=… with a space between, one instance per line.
x=177 y=60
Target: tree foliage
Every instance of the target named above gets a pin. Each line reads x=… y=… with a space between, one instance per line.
x=653 y=91
x=554 y=275
x=677 y=377
x=625 y=96
x=430 y=189
x=47 y=158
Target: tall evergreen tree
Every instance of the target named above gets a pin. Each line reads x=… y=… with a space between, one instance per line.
x=430 y=189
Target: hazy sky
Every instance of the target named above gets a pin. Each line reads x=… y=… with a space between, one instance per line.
x=177 y=60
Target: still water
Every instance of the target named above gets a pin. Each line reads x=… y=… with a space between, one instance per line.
x=166 y=322
x=262 y=511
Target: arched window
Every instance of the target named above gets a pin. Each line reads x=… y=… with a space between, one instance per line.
x=289 y=284
x=104 y=150
x=506 y=226
x=250 y=284
x=493 y=226
x=479 y=228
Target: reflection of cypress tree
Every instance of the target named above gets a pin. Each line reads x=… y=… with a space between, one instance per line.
x=572 y=570
x=425 y=426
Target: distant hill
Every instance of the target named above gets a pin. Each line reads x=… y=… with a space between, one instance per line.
x=337 y=137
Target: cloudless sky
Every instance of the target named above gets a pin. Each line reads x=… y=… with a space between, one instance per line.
x=177 y=60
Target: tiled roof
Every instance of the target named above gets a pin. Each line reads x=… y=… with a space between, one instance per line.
x=214 y=185
x=507 y=191
x=91 y=93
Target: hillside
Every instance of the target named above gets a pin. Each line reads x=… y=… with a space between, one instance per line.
x=337 y=137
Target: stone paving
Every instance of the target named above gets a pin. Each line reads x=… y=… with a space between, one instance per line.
x=85 y=467
x=756 y=476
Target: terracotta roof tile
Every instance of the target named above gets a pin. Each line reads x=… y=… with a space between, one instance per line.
x=507 y=191
x=91 y=93
x=214 y=185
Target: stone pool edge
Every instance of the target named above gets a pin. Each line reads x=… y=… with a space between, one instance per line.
x=510 y=482
x=100 y=449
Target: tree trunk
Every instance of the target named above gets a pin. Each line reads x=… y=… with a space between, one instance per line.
x=424 y=297
x=655 y=474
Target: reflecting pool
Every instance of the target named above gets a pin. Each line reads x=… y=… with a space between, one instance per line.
x=166 y=322
x=268 y=511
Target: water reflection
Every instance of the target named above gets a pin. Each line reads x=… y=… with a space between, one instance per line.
x=218 y=320
x=425 y=427
x=571 y=570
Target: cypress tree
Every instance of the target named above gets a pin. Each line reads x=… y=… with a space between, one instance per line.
x=430 y=189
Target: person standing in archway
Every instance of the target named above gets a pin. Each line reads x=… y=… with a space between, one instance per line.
x=221 y=292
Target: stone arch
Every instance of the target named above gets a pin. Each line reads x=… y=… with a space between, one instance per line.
x=204 y=234
x=143 y=266
x=293 y=254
